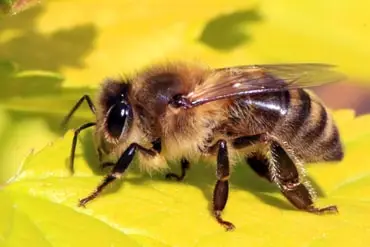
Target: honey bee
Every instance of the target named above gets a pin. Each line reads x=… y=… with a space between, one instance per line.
x=186 y=112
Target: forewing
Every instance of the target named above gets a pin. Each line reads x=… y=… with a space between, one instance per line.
x=243 y=80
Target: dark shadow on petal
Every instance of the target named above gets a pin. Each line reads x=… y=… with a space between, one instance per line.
x=41 y=95
x=229 y=31
x=25 y=20
x=32 y=49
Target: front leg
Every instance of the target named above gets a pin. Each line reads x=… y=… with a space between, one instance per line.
x=74 y=144
x=119 y=168
x=221 y=190
x=156 y=146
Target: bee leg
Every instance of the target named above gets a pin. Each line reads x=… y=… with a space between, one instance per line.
x=221 y=190
x=100 y=154
x=118 y=169
x=74 y=143
x=246 y=141
x=107 y=164
x=78 y=130
x=77 y=105
x=184 y=167
x=257 y=162
x=260 y=165
x=284 y=172
x=157 y=145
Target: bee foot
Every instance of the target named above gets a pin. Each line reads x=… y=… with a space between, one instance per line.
x=326 y=210
x=175 y=176
x=84 y=201
x=226 y=224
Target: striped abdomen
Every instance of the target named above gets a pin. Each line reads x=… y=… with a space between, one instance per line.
x=297 y=119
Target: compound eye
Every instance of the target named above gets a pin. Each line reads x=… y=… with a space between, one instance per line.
x=118 y=116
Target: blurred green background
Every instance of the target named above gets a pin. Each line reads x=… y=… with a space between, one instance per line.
x=56 y=51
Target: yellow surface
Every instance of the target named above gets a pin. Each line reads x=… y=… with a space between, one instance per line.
x=150 y=211
x=87 y=40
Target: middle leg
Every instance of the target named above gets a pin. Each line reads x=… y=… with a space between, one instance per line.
x=259 y=164
x=221 y=190
x=257 y=161
x=184 y=167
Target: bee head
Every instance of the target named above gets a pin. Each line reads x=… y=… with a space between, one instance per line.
x=117 y=110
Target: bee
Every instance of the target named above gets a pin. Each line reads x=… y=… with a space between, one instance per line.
x=185 y=112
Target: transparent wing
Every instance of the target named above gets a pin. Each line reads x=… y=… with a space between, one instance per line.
x=243 y=80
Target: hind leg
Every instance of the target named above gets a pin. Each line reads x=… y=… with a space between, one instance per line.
x=259 y=164
x=281 y=169
x=257 y=161
x=285 y=174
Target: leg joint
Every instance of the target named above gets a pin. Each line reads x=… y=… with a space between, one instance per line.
x=289 y=186
x=225 y=178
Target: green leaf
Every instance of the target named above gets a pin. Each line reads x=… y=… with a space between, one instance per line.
x=18 y=140
x=32 y=104
x=27 y=99
x=40 y=206
x=38 y=94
